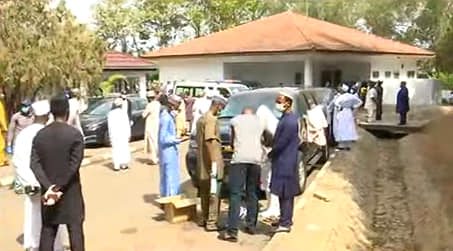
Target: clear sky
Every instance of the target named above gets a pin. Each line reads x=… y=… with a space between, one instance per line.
x=80 y=8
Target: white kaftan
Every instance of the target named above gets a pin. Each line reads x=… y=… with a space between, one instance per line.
x=151 y=115
x=270 y=121
x=120 y=133
x=32 y=214
x=200 y=107
x=344 y=127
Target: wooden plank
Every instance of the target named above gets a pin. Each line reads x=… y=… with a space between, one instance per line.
x=186 y=202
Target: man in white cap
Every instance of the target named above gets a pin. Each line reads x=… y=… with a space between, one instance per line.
x=344 y=127
x=21 y=160
x=120 y=133
x=151 y=116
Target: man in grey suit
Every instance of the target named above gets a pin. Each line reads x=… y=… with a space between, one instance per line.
x=56 y=156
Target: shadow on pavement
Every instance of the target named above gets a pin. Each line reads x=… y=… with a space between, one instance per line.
x=20 y=239
x=151 y=199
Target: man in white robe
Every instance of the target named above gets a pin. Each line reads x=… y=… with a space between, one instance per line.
x=344 y=126
x=74 y=109
x=151 y=116
x=270 y=121
x=120 y=133
x=371 y=102
x=200 y=107
x=21 y=160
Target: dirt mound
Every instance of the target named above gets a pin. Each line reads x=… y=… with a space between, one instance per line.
x=429 y=175
x=385 y=194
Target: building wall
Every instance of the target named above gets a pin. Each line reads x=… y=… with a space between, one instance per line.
x=267 y=73
x=196 y=69
x=281 y=68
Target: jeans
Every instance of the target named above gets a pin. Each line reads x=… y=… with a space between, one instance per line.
x=242 y=177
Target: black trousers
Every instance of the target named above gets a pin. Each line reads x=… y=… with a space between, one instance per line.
x=49 y=232
x=286 y=211
x=242 y=177
x=379 y=111
x=403 y=118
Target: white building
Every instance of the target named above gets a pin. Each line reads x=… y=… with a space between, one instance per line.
x=296 y=50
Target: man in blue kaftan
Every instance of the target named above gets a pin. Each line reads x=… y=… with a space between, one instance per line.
x=168 y=150
x=402 y=103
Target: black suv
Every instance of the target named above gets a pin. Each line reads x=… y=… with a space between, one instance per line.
x=310 y=154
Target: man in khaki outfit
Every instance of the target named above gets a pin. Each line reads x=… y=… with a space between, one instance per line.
x=210 y=164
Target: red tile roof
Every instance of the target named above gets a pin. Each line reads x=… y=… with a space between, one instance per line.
x=115 y=60
x=288 y=32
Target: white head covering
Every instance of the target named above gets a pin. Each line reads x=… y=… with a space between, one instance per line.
x=345 y=87
x=118 y=102
x=151 y=94
x=41 y=108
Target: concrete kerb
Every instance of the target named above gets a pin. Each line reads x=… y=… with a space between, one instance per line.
x=300 y=203
x=9 y=179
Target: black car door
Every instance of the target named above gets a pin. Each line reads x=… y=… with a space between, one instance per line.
x=310 y=150
x=138 y=126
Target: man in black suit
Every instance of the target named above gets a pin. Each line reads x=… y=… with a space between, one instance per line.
x=56 y=156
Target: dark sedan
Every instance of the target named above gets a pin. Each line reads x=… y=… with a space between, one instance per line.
x=94 y=120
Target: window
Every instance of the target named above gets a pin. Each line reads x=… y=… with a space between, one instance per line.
x=388 y=74
x=141 y=104
x=197 y=91
x=411 y=74
x=224 y=92
x=375 y=74
x=396 y=75
x=298 y=78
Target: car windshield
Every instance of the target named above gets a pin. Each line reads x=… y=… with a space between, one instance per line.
x=99 y=108
x=237 y=103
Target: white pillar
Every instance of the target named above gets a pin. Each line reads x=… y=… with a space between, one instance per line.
x=142 y=84
x=308 y=72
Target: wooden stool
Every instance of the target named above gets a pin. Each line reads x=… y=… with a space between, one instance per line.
x=178 y=209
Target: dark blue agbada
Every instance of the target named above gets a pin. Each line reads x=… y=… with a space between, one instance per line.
x=402 y=100
x=284 y=154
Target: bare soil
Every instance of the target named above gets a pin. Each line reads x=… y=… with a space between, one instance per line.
x=384 y=195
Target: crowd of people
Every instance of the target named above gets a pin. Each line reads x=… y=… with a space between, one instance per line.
x=46 y=140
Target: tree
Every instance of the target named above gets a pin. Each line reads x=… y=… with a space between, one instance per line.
x=118 y=23
x=43 y=48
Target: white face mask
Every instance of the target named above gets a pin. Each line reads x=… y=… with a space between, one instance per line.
x=280 y=107
x=173 y=113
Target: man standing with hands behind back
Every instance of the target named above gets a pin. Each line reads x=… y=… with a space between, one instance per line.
x=210 y=166
x=57 y=153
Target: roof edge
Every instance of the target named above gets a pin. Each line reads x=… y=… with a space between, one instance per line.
x=428 y=54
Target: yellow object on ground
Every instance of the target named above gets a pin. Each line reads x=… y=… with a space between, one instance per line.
x=3 y=129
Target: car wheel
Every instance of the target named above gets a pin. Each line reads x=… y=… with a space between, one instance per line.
x=302 y=174
x=107 y=139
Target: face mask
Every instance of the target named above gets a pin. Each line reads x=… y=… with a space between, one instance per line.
x=173 y=113
x=2 y=95
x=280 y=107
x=25 y=110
